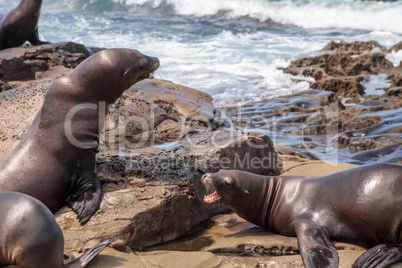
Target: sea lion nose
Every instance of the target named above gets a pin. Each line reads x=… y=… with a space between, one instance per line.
x=156 y=64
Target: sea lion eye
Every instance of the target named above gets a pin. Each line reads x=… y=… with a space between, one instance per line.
x=228 y=182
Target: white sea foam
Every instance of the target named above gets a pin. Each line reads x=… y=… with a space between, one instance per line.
x=395 y=57
x=231 y=49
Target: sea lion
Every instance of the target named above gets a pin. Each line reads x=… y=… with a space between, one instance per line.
x=361 y=205
x=55 y=161
x=30 y=236
x=20 y=25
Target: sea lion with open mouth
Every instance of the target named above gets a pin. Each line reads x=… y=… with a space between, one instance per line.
x=361 y=205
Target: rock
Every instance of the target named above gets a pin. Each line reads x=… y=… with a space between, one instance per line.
x=112 y=258
x=346 y=65
x=22 y=103
x=396 y=47
x=356 y=47
x=341 y=71
x=4 y=86
x=394 y=91
x=385 y=154
x=149 y=193
x=396 y=78
x=345 y=87
x=16 y=69
x=24 y=62
x=177 y=100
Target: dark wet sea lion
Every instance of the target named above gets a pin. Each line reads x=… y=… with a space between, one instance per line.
x=361 y=205
x=55 y=161
x=20 y=25
x=30 y=236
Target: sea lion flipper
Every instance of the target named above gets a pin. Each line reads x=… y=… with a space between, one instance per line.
x=379 y=256
x=91 y=253
x=34 y=39
x=314 y=245
x=85 y=194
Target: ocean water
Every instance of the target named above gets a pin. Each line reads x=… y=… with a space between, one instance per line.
x=230 y=49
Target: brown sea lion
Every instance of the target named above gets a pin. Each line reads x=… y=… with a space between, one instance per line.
x=20 y=25
x=55 y=161
x=361 y=205
x=30 y=236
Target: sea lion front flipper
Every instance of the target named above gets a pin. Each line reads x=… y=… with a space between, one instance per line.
x=85 y=194
x=91 y=253
x=314 y=245
x=379 y=256
x=34 y=39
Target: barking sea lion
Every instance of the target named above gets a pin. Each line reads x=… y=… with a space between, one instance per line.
x=361 y=205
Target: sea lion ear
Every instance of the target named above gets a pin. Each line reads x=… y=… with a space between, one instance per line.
x=126 y=72
x=246 y=192
x=228 y=181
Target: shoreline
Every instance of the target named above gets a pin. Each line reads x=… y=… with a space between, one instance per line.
x=183 y=125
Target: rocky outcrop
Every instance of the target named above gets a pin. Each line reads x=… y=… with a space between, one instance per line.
x=341 y=69
x=25 y=62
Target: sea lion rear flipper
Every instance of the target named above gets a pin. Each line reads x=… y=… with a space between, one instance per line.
x=85 y=194
x=314 y=245
x=91 y=253
x=379 y=256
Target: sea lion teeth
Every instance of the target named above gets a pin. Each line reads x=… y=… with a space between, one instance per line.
x=360 y=205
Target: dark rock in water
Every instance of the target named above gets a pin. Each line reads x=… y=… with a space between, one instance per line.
x=345 y=87
x=384 y=154
x=394 y=91
x=357 y=144
x=396 y=78
x=356 y=47
x=341 y=70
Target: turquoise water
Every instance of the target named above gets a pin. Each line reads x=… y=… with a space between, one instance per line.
x=228 y=48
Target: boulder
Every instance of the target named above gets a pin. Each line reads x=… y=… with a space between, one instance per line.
x=24 y=62
x=177 y=100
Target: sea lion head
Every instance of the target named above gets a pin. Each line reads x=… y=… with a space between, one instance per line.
x=108 y=73
x=226 y=187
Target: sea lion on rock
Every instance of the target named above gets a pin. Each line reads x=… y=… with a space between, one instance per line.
x=361 y=205
x=20 y=25
x=55 y=161
x=30 y=236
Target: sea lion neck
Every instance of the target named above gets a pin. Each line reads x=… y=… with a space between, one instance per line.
x=264 y=192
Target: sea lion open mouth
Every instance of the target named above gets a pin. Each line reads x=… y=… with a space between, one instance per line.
x=212 y=198
x=145 y=76
x=153 y=69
